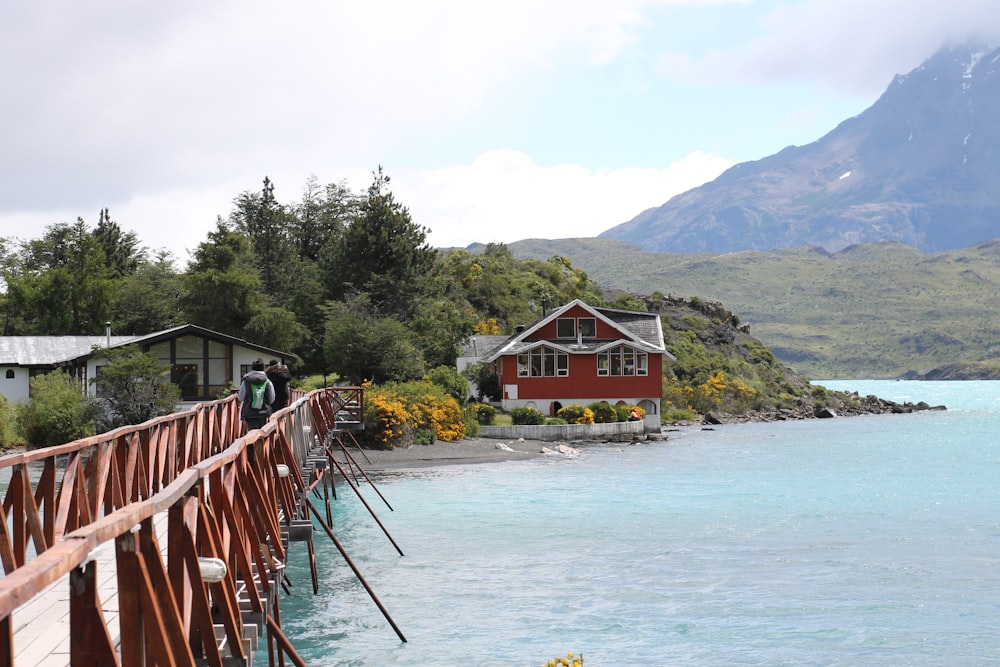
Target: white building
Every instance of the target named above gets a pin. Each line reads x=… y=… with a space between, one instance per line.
x=203 y=363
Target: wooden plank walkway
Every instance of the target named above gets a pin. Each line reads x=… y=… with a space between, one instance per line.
x=42 y=628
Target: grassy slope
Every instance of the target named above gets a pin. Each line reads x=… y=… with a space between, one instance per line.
x=872 y=310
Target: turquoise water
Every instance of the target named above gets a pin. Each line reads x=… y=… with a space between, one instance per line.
x=853 y=541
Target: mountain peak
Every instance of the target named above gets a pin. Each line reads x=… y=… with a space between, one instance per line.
x=917 y=167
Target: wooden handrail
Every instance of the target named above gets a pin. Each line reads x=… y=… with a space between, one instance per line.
x=223 y=498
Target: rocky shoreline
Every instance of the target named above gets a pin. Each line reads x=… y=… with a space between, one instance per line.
x=847 y=404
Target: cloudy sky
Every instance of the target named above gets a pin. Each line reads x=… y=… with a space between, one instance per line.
x=495 y=121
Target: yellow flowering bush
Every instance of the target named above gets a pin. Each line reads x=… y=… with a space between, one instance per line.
x=487 y=327
x=407 y=407
x=576 y=414
x=386 y=420
x=569 y=661
x=717 y=392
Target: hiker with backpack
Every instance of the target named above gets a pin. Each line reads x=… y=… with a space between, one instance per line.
x=257 y=395
x=280 y=376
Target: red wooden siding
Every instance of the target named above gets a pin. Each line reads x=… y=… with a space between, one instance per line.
x=583 y=381
x=604 y=330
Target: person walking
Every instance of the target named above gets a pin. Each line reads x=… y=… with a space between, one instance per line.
x=256 y=395
x=279 y=376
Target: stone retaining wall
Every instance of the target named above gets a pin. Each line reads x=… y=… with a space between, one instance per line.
x=563 y=432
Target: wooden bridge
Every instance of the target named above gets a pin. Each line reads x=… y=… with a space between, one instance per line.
x=164 y=544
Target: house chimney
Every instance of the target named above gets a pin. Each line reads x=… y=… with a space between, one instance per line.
x=519 y=328
x=107 y=331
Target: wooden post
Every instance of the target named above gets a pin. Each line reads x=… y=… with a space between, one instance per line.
x=90 y=644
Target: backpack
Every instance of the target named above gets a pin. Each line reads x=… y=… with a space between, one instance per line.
x=257 y=392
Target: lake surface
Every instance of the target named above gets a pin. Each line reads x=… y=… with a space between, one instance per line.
x=851 y=541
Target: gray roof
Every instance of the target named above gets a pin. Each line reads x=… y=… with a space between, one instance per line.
x=478 y=347
x=52 y=350
x=48 y=350
x=645 y=326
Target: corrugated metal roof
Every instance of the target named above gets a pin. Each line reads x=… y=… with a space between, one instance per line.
x=47 y=350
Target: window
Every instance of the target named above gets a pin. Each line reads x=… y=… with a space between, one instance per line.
x=621 y=361
x=565 y=327
x=602 y=364
x=543 y=361
x=569 y=327
x=10 y=373
x=185 y=376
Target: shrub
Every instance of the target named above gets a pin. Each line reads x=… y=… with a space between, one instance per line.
x=571 y=660
x=526 y=416
x=486 y=381
x=57 y=412
x=555 y=421
x=576 y=414
x=423 y=436
x=485 y=413
x=386 y=420
x=717 y=392
x=424 y=405
x=8 y=436
x=134 y=387
x=624 y=412
x=621 y=412
x=604 y=413
x=471 y=420
x=680 y=415
x=449 y=379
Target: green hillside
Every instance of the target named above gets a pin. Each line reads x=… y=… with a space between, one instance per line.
x=872 y=310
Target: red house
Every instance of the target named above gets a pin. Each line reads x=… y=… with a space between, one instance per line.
x=581 y=354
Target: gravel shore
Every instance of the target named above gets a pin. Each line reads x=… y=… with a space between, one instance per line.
x=466 y=451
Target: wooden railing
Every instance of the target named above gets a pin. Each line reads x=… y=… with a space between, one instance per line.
x=224 y=495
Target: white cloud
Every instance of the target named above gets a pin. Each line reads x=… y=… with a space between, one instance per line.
x=855 y=46
x=503 y=196
x=111 y=98
x=164 y=112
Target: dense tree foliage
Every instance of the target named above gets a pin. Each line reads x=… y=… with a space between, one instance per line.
x=316 y=278
x=364 y=345
x=57 y=411
x=122 y=251
x=268 y=270
x=132 y=387
x=222 y=287
x=384 y=254
x=348 y=282
x=60 y=284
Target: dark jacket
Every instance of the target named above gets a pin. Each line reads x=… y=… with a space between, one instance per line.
x=247 y=408
x=279 y=377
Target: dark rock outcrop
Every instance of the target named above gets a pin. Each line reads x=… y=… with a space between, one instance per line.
x=849 y=404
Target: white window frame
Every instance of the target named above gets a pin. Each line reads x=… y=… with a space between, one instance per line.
x=543 y=361
x=615 y=362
